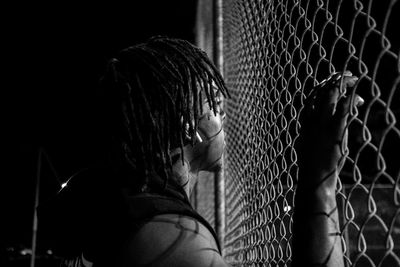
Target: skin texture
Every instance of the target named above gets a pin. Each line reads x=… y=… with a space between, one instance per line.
x=173 y=240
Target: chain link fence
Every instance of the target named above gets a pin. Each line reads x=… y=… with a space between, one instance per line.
x=274 y=52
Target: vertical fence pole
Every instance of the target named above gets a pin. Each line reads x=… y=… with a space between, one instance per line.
x=219 y=176
x=35 y=220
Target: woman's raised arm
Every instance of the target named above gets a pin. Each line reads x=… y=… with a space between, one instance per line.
x=322 y=148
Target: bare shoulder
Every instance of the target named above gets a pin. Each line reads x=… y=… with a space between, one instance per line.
x=173 y=240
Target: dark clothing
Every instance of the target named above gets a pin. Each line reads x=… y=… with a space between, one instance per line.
x=93 y=215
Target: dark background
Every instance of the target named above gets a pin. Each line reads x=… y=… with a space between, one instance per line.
x=53 y=58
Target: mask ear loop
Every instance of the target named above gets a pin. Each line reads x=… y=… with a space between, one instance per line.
x=198 y=137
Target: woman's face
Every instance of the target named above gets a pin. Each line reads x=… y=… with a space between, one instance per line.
x=209 y=147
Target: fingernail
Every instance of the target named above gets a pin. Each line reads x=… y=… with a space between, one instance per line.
x=359 y=101
x=352 y=81
x=347 y=73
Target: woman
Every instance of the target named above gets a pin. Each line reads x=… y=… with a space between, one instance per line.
x=161 y=109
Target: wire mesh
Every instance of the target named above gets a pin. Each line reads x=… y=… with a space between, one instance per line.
x=274 y=51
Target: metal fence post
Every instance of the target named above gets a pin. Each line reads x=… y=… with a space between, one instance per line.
x=219 y=176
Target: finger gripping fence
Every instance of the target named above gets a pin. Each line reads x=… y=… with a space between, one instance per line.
x=274 y=52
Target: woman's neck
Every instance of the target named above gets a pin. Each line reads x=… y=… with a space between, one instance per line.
x=182 y=174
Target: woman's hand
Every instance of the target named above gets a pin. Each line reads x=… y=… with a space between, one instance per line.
x=321 y=154
x=323 y=137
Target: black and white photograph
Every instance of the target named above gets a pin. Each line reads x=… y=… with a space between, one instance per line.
x=201 y=133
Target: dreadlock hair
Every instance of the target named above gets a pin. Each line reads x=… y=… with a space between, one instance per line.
x=157 y=88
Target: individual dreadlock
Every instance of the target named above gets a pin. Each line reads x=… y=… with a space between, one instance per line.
x=159 y=87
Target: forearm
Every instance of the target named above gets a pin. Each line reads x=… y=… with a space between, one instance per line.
x=322 y=148
x=316 y=230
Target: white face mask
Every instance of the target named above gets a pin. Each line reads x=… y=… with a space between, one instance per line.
x=207 y=152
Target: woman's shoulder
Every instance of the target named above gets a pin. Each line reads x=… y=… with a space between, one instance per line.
x=173 y=240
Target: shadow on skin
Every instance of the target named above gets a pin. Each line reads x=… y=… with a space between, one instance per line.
x=173 y=240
